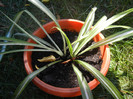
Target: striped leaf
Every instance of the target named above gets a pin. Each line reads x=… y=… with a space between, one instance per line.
x=84 y=87
x=28 y=79
x=86 y=27
x=21 y=42
x=44 y=42
x=42 y=7
x=86 y=38
x=102 y=79
x=22 y=50
x=33 y=17
x=9 y=33
x=39 y=39
x=88 y=22
x=98 y=27
x=117 y=26
x=118 y=16
x=21 y=29
x=68 y=42
x=113 y=38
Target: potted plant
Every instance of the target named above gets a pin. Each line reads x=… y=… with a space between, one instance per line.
x=71 y=51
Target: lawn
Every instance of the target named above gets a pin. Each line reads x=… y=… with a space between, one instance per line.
x=121 y=66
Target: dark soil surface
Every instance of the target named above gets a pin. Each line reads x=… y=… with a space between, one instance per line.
x=62 y=75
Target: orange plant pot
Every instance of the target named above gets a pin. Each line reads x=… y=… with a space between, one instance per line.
x=69 y=24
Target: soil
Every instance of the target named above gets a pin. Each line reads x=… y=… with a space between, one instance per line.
x=62 y=75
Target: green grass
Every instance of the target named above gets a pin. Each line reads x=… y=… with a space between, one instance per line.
x=121 y=66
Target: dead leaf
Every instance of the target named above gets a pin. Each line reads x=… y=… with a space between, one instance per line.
x=36 y=67
x=43 y=20
x=50 y=58
x=27 y=5
x=45 y=1
x=1 y=4
x=58 y=16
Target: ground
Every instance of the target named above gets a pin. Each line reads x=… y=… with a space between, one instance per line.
x=121 y=66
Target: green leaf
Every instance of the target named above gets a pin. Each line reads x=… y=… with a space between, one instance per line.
x=20 y=34
x=68 y=42
x=22 y=50
x=43 y=30
x=86 y=38
x=39 y=39
x=22 y=29
x=118 y=16
x=44 y=42
x=28 y=79
x=98 y=27
x=88 y=23
x=21 y=42
x=102 y=79
x=41 y=6
x=86 y=27
x=17 y=43
x=12 y=39
x=84 y=87
x=16 y=19
x=9 y=33
x=110 y=39
x=117 y=26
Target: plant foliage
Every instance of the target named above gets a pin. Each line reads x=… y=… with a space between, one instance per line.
x=86 y=33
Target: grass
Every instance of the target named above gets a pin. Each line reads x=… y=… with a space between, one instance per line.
x=121 y=66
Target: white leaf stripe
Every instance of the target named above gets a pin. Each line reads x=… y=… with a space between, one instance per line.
x=42 y=29
x=41 y=6
x=110 y=39
x=22 y=50
x=39 y=39
x=21 y=28
x=21 y=42
x=100 y=27
x=95 y=30
x=117 y=26
x=68 y=42
x=104 y=81
x=86 y=27
x=88 y=21
x=9 y=33
x=44 y=42
x=14 y=43
x=27 y=80
x=85 y=90
x=118 y=16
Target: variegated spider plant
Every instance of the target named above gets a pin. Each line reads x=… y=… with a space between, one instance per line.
x=85 y=35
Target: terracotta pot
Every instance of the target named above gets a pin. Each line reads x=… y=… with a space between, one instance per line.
x=69 y=24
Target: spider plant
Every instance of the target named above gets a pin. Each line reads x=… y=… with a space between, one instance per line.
x=86 y=33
